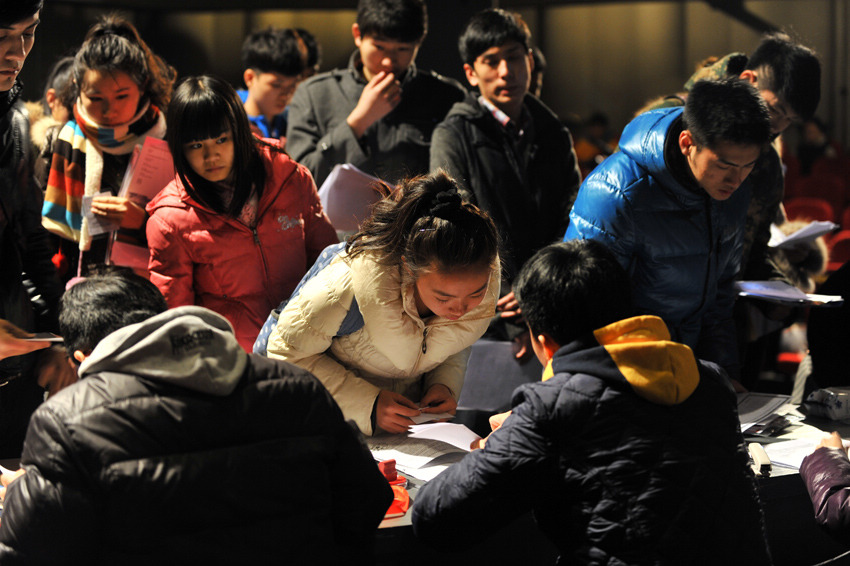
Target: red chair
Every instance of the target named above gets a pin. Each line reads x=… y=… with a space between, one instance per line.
x=839 y=250
x=809 y=208
x=845 y=219
x=828 y=187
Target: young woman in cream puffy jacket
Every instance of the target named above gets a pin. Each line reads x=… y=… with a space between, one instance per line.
x=424 y=273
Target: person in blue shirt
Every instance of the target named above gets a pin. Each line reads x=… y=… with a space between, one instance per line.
x=274 y=61
x=672 y=206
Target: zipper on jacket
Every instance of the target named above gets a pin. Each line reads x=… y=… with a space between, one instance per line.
x=260 y=249
x=424 y=336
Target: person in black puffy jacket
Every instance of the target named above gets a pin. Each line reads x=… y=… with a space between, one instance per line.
x=177 y=447
x=629 y=451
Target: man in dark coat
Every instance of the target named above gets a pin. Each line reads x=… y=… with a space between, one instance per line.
x=509 y=153
x=629 y=451
x=25 y=252
x=178 y=447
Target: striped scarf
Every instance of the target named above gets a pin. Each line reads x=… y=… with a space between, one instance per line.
x=76 y=167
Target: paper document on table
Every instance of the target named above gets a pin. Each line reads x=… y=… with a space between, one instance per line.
x=426 y=450
x=347 y=196
x=783 y=293
x=756 y=407
x=790 y=453
x=808 y=233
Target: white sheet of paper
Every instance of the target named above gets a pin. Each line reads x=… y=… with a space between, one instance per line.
x=805 y=234
x=457 y=435
x=428 y=417
x=347 y=196
x=98 y=224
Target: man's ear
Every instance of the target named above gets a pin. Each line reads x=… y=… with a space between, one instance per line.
x=751 y=77
x=469 y=70
x=686 y=141
x=355 y=33
x=80 y=356
x=248 y=76
x=548 y=343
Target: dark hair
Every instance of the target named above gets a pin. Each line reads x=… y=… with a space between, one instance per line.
x=14 y=11
x=571 y=288
x=426 y=225
x=790 y=70
x=726 y=110
x=314 y=51
x=58 y=78
x=113 y=45
x=399 y=20
x=275 y=50
x=99 y=305
x=205 y=107
x=491 y=28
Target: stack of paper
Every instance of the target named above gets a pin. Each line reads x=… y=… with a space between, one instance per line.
x=426 y=450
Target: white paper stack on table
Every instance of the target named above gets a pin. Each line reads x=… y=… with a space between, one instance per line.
x=426 y=450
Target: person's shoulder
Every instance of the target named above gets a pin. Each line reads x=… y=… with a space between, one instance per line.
x=323 y=80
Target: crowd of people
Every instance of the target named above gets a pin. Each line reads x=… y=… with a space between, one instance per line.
x=154 y=401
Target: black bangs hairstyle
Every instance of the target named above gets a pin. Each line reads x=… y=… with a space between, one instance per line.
x=726 y=110
x=205 y=107
x=14 y=11
x=427 y=226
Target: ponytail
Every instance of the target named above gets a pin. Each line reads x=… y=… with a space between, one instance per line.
x=426 y=224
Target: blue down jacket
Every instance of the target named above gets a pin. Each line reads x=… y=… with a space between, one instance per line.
x=630 y=454
x=681 y=248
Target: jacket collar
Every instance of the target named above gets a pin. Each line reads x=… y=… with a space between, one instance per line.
x=355 y=67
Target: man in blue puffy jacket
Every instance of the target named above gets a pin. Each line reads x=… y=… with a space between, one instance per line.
x=672 y=206
x=629 y=452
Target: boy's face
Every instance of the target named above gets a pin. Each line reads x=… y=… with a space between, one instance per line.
x=16 y=41
x=502 y=75
x=720 y=170
x=381 y=54
x=268 y=93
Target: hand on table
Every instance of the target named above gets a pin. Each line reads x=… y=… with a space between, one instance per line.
x=831 y=441
x=393 y=411
x=379 y=97
x=119 y=209
x=12 y=341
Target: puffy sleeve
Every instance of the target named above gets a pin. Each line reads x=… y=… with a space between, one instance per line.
x=305 y=331
x=826 y=473
x=48 y=517
x=170 y=265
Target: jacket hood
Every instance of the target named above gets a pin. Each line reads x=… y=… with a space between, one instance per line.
x=643 y=142
x=189 y=346
x=657 y=369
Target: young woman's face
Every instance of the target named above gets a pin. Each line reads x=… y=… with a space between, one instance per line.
x=111 y=99
x=450 y=295
x=211 y=158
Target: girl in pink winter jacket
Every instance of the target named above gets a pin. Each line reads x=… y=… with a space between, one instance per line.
x=241 y=222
